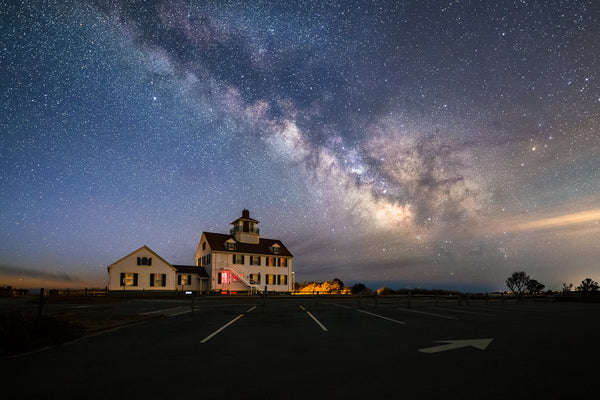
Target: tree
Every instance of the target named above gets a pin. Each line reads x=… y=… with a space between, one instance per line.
x=534 y=286
x=358 y=288
x=588 y=285
x=517 y=282
x=567 y=288
x=339 y=282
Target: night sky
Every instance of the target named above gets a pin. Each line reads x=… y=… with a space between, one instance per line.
x=436 y=144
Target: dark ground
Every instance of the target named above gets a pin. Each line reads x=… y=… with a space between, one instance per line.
x=278 y=351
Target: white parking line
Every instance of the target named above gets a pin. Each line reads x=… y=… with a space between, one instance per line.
x=381 y=316
x=160 y=311
x=426 y=313
x=468 y=312
x=313 y=317
x=185 y=311
x=206 y=339
x=341 y=305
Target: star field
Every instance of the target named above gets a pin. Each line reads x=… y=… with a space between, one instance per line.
x=399 y=143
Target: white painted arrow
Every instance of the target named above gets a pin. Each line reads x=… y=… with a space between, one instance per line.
x=480 y=344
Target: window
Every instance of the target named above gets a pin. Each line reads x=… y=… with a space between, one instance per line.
x=158 y=280
x=203 y=245
x=222 y=277
x=230 y=245
x=282 y=280
x=270 y=279
x=269 y=261
x=254 y=260
x=281 y=262
x=255 y=279
x=129 y=279
x=184 y=279
x=144 y=261
x=238 y=259
x=275 y=249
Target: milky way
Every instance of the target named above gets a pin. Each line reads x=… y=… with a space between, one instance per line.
x=398 y=143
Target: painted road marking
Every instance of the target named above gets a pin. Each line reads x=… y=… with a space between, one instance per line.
x=426 y=313
x=161 y=310
x=341 y=305
x=206 y=339
x=381 y=316
x=313 y=317
x=480 y=344
x=185 y=311
x=467 y=312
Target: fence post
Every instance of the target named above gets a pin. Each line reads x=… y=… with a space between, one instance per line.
x=502 y=297
x=41 y=306
x=486 y=299
x=409 y=298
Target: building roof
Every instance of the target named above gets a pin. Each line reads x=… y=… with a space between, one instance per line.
x=216 y=241
x=191 y=269
x=144 y=247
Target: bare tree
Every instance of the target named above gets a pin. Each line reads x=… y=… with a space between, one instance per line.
x=567 y=288
x=517 y=282
x=588 y=285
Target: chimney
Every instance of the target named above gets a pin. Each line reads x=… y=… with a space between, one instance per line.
x=246 y=214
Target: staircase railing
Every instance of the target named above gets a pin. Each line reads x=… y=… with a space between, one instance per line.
x=246 y=281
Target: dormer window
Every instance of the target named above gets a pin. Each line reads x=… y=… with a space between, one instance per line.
x=275 y=248
x=230 y=245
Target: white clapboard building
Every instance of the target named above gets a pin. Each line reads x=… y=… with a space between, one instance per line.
x=145 y=271
x=243 y=262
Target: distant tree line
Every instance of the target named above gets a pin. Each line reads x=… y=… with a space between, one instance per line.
x=520 y=282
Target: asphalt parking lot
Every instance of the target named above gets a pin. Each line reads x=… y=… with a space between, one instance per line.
x=322 y=347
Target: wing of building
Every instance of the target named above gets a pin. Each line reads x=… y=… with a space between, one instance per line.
x=243 y=262
x=144 y=270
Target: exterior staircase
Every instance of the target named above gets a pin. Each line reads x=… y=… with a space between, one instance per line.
x=253 y=286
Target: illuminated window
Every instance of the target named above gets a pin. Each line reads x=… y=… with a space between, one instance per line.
x=129 y=279
x=270 y=279
x=270 y=261
x=158 y=280
x=223 y=277
x=184 y=279
x=255 y=278
x=281 y=262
